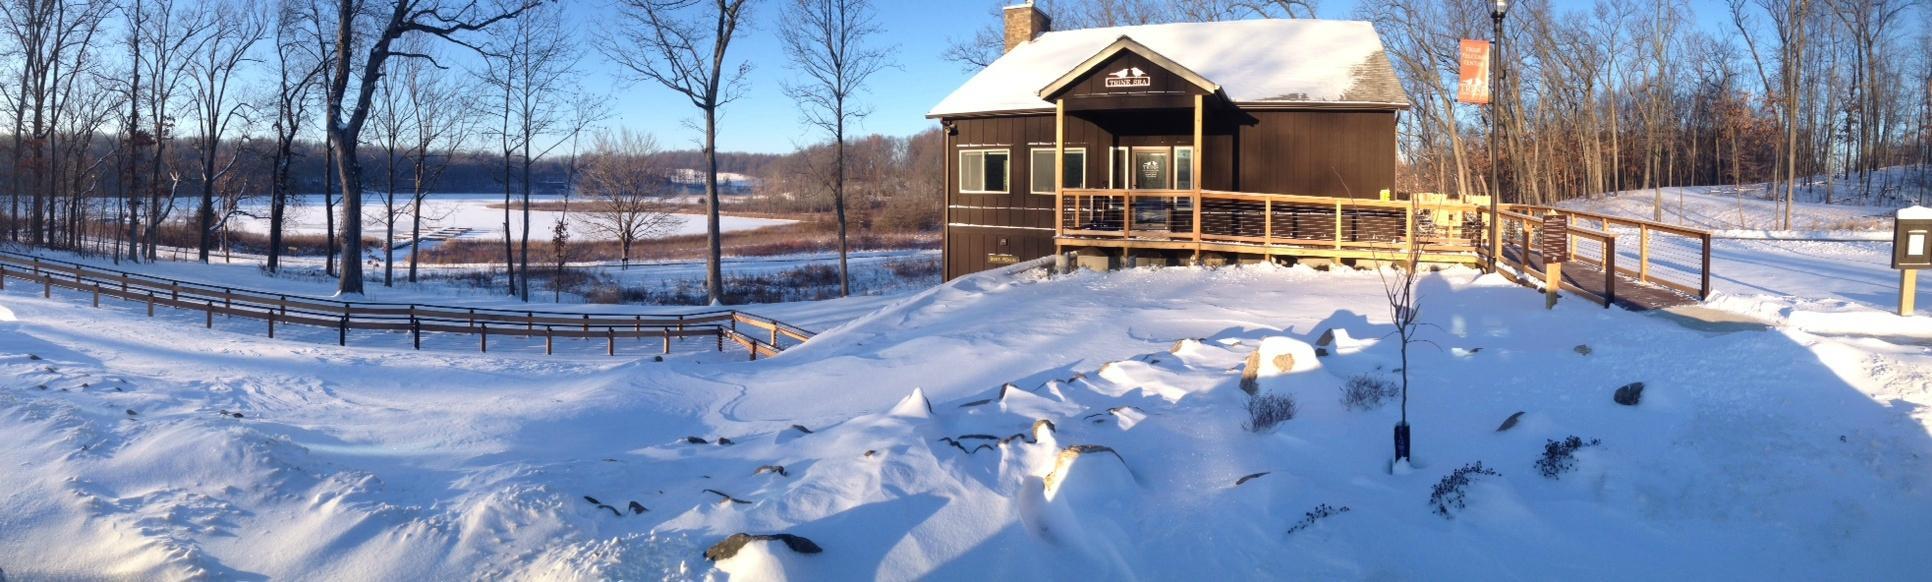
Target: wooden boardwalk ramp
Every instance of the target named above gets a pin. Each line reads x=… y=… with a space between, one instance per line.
x=1639 y=265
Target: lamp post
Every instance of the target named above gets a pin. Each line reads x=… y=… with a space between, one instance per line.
x=1496 y=12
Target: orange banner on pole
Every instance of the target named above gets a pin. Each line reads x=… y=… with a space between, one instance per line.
x=1473 y=83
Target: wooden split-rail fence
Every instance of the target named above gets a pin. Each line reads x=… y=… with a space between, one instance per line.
x=759 y=336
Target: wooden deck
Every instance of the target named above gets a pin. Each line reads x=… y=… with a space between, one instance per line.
x=1588 y=279
x=1633 y=273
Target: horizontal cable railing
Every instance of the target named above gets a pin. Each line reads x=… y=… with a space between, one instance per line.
x=1241 y=218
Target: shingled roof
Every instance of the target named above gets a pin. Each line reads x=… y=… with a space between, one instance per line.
x=1263 y=62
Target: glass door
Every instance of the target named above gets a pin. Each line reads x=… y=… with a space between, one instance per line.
x=1153 y=169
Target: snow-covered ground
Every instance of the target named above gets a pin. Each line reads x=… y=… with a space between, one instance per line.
x=910 y=438
x=472 y=212
x=1753 y=454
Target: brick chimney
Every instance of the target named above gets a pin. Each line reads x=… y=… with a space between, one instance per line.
x=1024 y=23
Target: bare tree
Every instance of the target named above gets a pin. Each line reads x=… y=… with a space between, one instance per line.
x=533 y=63
x=682 y=44
x=392 y=119
x=828 y=42
x=297 y=69
x=1405 y=309
x=234 y=31
x=626 y=189
x=448 y=20
x=444 y=115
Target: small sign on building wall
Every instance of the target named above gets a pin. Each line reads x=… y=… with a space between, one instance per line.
x=1000 y=259
x=1129 y=77
x=1472 y=84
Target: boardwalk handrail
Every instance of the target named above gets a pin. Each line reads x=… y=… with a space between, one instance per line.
x=1644 y=272
x=415 y=318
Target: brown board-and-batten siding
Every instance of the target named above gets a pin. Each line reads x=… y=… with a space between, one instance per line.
x=984 y=231
x=1330 y=151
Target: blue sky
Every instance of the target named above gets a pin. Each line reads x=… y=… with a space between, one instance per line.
x=919 y=30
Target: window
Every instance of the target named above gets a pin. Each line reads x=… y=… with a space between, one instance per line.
x=1117 y=169
x=1184 y=168
x=983 y=171
x=1041 y=169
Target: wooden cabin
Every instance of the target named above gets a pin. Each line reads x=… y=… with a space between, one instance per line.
x=1165 y=142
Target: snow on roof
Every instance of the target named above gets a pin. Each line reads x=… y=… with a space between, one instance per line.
x=1254 y=61
x=1915 y=213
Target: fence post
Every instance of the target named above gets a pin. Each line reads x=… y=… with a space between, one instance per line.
x=97 y=295
x=271 y=325
x=174 y=291
x=1643 y=252
x=483 y=339
x=774 y=334
x=342 y=330
x=1609 y=268
x=416 y=330
x=1704 y=288
x=46 y=286
x=549 y=341
x=721 y=333
x=150 y=304
x=586 y=323
x=610 y=341
x=3 y=277
x=1338 y=225
x=667 y=341
x=529 y=321
x=210 y=310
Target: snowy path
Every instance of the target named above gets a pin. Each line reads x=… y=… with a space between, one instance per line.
x=1769 y=454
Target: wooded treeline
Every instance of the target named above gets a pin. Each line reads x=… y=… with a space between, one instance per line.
x=1621 y=95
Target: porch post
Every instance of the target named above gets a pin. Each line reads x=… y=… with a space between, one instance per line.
x=1059 y=171
x=1194 y=167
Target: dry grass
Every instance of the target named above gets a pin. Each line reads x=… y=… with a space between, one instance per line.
x=784 y=239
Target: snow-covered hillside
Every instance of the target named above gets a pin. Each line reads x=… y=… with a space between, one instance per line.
x=911 y=445
x=1757 y=210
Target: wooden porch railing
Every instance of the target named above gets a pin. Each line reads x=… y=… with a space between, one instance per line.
x=1668 y=256
x=1317 y=225
x=415 y=319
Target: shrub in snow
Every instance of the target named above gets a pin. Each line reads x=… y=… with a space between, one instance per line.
x=1559 y=457
x=1267 y=410
x=1368 y=392
x=1319 y=513
x=1448 y=494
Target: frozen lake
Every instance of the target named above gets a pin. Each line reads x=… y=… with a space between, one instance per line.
x=464 y=210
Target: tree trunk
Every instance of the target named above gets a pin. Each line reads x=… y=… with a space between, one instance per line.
x=838 y=203
x=714 y=262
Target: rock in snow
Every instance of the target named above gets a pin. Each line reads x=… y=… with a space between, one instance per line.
x=1629 y=394
x=1509 y=423
x=724 y=550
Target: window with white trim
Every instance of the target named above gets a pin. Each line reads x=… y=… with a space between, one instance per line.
x=984 y=171
x=1041 y=170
